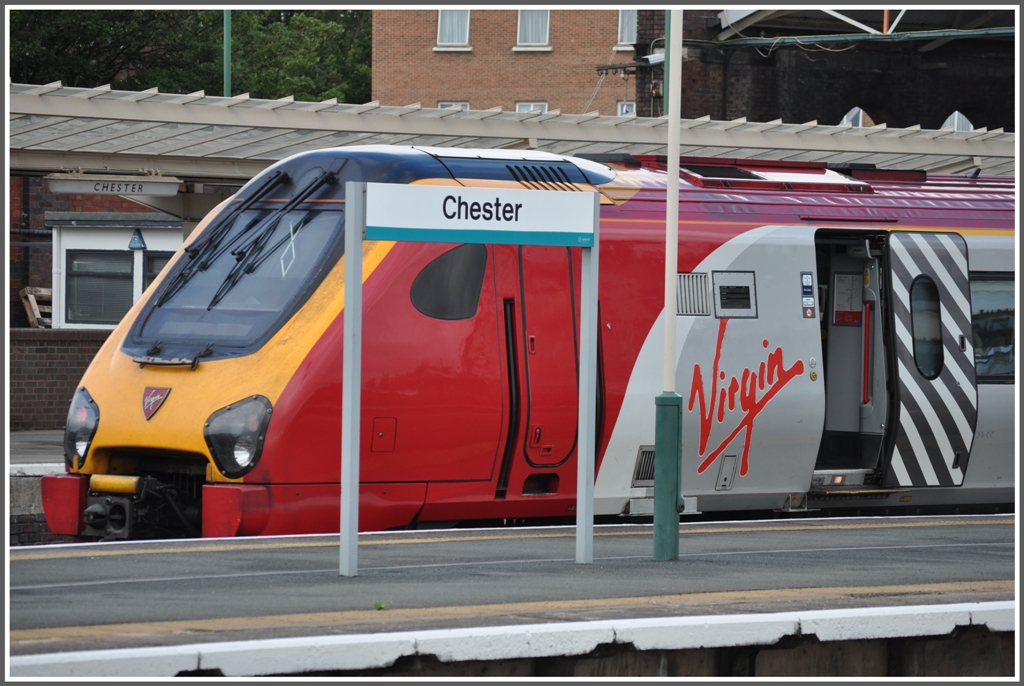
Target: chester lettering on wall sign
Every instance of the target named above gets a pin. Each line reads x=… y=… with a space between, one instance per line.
x=442 y=214
x=118 y=187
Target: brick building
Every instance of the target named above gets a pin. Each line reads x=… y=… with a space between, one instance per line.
x=516 y=60
x=899 y=83
x=483 y=59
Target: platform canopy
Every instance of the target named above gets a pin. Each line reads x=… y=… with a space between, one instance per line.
x=199 y=138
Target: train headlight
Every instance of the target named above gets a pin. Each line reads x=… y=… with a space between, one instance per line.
x=83 y=418
x=235 y=435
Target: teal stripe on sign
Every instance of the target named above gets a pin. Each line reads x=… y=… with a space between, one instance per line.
x=486 y=236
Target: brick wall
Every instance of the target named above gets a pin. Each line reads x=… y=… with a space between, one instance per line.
x=32 y=265
x=45 y=368
x=893 y=82
x=406 y=69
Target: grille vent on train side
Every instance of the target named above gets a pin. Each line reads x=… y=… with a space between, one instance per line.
x=643 y=473
x=692 y=295
x=543 y=178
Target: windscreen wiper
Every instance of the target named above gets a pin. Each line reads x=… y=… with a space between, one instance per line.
x=208 y=248
x=247 y=254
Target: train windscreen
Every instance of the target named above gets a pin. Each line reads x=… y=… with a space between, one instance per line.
x=236 y=285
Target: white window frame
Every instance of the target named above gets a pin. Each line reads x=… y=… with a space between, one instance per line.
x=621 y=43
x=535 y=46
x=529 y=106
x=108 y=239
x=453 y=46
x=622 y=105
x=445 y=104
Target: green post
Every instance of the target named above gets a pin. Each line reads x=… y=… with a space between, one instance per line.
x=667 y=453
x=227 y=53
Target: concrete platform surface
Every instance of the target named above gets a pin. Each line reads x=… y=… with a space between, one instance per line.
x=35 y=447
x=85 y=597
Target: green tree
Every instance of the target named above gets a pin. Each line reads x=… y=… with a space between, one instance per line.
x=175 y=51
x=313 y=55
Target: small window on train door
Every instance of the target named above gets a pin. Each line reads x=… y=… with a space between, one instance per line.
x=449 y=287
x=927 y=327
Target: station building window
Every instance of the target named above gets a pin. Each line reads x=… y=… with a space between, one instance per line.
x=446 y=104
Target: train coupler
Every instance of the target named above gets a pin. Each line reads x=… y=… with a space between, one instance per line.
x=128 y=507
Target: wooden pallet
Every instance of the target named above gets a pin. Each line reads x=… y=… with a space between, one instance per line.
x=38 y=302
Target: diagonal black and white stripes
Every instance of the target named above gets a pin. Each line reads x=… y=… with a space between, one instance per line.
x=937 y=417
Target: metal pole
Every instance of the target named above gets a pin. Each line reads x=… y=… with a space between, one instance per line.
x=587 y=427
x=669 y=405
x=355 y=226
x=227 y=53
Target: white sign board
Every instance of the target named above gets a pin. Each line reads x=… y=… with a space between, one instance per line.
x=453 y=214
x=113 y=185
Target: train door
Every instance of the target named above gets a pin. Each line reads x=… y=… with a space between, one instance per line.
x=936 y=391
x=550 y=347
x=539 y=289
x=857 y=396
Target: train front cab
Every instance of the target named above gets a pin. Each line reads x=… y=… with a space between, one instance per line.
x=917 y=355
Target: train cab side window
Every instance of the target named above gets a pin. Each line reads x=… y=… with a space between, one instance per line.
x=927 y=327
x=992 y=310
x=449 y=287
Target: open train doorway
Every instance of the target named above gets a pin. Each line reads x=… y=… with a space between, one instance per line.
x=855 y=359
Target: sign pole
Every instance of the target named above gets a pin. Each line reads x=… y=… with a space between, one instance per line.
x=587 y=428
x=669 y=405
x=351 y=383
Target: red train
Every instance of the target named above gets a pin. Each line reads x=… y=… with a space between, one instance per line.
x=845 y=339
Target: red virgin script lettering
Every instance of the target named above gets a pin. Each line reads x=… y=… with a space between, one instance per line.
x=770 y=378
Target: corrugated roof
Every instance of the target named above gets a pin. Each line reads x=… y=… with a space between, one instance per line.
x=53 y=128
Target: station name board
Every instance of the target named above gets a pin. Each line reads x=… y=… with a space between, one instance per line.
x=455 y=214
x=99 y=185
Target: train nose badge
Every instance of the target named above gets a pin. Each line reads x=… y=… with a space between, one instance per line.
x=152 y=399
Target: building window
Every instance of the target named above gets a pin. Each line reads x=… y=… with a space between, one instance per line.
x=154 y=262
x=626 y=108
x=627 y=27
x=530 y=106
x=453 y=27
x=533 y=27
x=99 y=286
x=97 y=273
x=446 y=104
